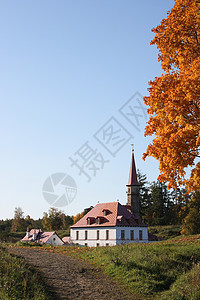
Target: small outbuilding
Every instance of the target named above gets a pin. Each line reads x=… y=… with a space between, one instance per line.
x=38 y=236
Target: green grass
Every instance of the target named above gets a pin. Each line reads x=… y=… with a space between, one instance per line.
x=187 y=286
x=160 y=270
x=11 y=237
x=165 y=232
x=18 y=280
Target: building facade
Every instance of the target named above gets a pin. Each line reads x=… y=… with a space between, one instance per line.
x=109 y=236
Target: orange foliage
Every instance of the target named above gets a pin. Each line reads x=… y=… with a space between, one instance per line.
x=78 y=217
x=174 y=101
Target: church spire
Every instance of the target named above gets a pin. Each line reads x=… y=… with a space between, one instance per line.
x=133 y=190
x=133 y=175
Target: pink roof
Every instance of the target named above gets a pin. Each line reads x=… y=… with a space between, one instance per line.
x=42 y=238
x=133 y=174
x=118 y=216
x=66 y=239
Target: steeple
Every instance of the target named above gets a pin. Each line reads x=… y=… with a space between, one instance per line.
x=133 y=175
x=133 y=189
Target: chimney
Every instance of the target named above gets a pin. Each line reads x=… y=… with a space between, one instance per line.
x=34 y=235
x=28 y=232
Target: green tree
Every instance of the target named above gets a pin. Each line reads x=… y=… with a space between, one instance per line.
x=52 y=220
x=18 y=223
x=191 y=223
x=6 y=225
x=55 y=220
x=159 y=204
x=144 y=195
x=66 y=221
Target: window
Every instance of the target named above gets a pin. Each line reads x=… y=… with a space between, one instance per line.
x=107 y=244
x=97 y=244
x=107 y=234
x=77 y=235
x=140 y=235
x=86 y=234
x=98 y=221
x=88 y=221
x=132 y=235
x=97 y=234
x=86 y=244
x=105 y=212
x=122 y=235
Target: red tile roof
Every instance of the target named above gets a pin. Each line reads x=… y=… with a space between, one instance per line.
x=133 y=174
x=117 y=215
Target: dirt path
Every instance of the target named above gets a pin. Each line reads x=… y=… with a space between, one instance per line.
x=69 y=278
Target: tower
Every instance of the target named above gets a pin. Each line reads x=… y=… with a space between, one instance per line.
x=133 y=189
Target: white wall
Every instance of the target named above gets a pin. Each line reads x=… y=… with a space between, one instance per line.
x=114 y=236
x=127 y=231
x=92 y=236
x=55 y=240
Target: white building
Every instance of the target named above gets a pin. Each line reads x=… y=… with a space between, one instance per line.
x=109 y=224
x=38 y=236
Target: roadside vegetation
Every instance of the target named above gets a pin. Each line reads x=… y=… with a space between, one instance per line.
x=162 y=270
x=18 y=280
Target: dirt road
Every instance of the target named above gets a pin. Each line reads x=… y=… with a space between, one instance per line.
x=69 y=278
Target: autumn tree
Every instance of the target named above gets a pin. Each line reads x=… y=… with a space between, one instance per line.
x=77 y=217
x=174 y=100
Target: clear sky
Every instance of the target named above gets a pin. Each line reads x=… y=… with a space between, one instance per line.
x=67 y=70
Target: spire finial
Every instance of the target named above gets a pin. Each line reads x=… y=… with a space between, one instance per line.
x=132 y=145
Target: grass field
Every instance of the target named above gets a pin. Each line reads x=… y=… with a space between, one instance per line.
x=18 y=280
x=161 y=270
x=169 y=269
x=166 y=232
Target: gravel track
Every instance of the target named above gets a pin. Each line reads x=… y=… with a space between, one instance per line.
x=70 y=278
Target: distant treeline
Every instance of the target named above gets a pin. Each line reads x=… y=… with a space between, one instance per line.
x=158 y=206
x=53 y=220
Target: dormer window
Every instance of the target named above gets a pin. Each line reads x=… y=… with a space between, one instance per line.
x=90 y=220
x=105 y=212
x=99 y=220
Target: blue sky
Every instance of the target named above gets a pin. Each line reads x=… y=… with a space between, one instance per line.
x=66 y=68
